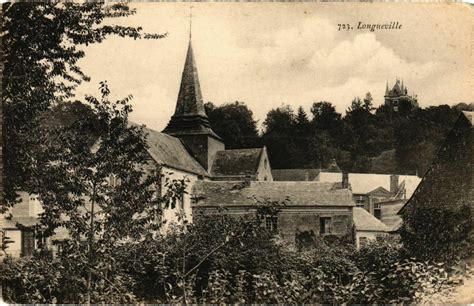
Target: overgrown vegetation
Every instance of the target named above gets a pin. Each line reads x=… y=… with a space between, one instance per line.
x=225 y=260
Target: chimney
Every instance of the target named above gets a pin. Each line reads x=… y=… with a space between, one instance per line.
x=306 y=176
x=393 y=183
x=345 y=180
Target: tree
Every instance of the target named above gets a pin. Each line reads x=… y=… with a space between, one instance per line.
x=234 y=122
x=279 y=137
x=101 y=195
x=41 y=51
x=325 y=116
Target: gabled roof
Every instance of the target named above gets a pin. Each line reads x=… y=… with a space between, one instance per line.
x=470 y=116
x=169 y=151
x=364 y=221
x=295 y=174
x=238 y=193
x=449 y=178
x=380 y=191
x=236 y=162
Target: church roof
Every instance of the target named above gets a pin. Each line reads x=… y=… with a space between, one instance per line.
x=238 y=193
x=169 y=151
x=364 y=221
x=190 y=115
x=236 y=162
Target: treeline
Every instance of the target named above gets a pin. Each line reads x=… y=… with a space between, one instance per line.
x=364 y=139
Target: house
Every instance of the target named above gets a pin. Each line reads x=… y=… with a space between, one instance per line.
x=17 y=226
x=448 y=186
x=313 y=208
x=373 y=191
x=398 y=99
x=367 y=227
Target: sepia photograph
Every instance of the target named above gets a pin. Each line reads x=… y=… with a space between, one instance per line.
x=237 y=153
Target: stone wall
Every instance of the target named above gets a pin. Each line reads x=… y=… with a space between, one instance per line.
x=294 y=220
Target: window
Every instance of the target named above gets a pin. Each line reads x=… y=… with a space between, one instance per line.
x=181 y=202
x=362 y=242
x=325 y=225
x=265 y=163
x=114 y=180
x=27 y=242
x=378 y=210
x=360 y=202
x=271 y=223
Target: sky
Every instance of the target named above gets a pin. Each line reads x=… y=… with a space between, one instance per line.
x=273 y=54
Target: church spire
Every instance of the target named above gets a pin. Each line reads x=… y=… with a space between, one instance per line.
x=190 y=115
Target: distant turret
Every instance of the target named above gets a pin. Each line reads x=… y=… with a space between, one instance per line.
x=397 y=98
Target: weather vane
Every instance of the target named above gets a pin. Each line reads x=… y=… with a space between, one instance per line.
x=190 y=21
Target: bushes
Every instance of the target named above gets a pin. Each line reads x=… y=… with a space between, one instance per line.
x=223 y=260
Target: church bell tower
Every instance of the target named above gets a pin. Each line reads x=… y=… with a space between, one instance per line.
x=190 y=122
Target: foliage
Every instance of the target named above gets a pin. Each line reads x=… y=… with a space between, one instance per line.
x=222 y=259
x=234 y=122
x=99 y=193
x=42 y=47
x=365 y=138
x=444 y=233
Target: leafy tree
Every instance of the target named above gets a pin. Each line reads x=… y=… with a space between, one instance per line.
x=101 y=196
x=42 y=46
x=325 y=116
x=234 y=122
x=278 y=136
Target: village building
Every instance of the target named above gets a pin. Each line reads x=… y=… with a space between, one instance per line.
x=448 y=185
x=367 y=227
x=311 y=209
x=398 y=99
x=382 y=195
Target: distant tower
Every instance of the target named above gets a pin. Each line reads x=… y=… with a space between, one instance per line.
x=190 y=122
x=398 y=99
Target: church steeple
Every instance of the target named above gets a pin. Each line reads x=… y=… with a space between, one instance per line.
x=190 y=123
x=189 y=116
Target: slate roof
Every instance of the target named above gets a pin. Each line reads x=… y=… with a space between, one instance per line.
x=364 y=183
x=213 y=193
x=449 y=180
x=236 y=162
x=190 y=115
x=295 y=174
x=364 y=221
x=169 y=151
